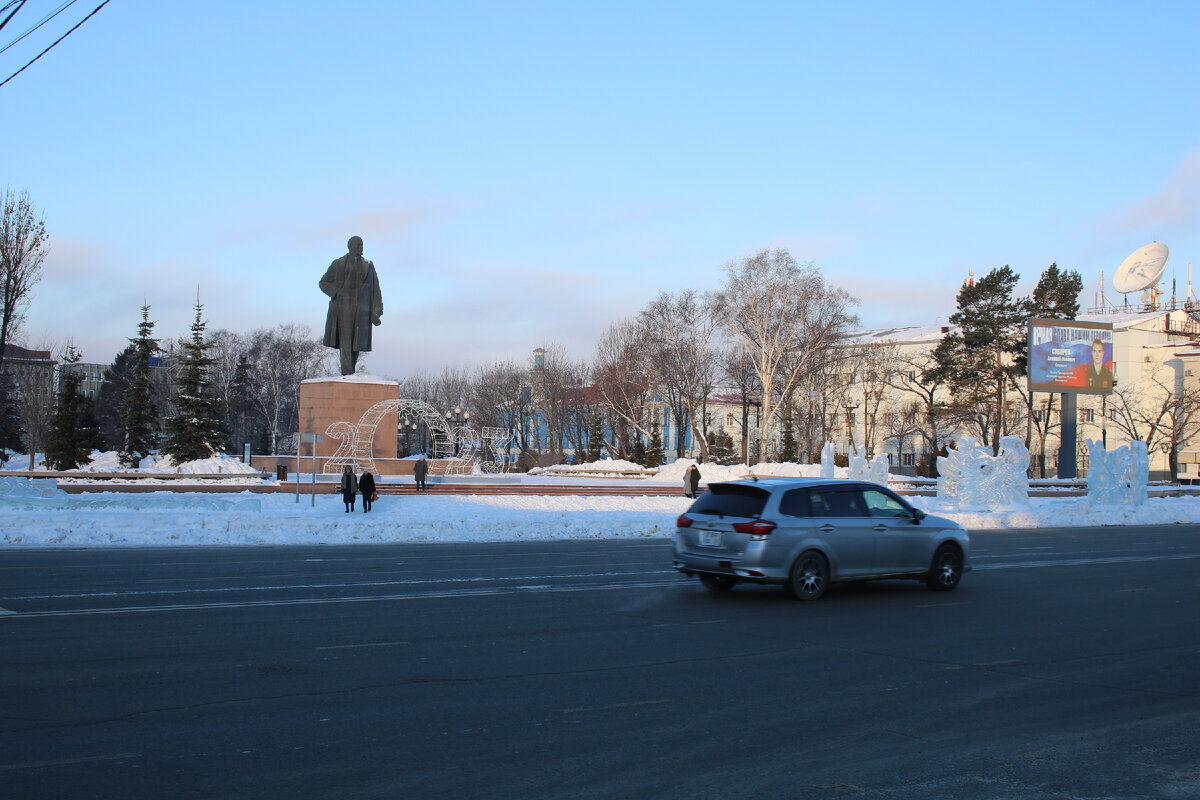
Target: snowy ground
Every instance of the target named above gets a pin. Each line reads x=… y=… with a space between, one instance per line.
x=37 y=514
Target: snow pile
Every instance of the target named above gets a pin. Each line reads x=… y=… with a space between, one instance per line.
x=607 y=466
x=109 y=461
x=37 y=514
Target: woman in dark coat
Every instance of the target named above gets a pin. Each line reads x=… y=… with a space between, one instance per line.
x=348 y=487
x=420 y=470
x=691 y=481
x=367 y=485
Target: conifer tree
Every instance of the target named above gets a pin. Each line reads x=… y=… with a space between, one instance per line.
x=70 y=438
x=637 y=450
x=595 y=448
x=788 y=451
x=195 y=430
x=10 y=422
x=138 y=419
x=654 y=452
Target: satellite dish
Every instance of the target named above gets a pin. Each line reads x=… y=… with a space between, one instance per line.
x=1142 y=269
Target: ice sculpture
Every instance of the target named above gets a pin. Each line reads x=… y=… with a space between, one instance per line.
x=1118 y=477
x=875 y=470
x=971 y=477
x=827 y=460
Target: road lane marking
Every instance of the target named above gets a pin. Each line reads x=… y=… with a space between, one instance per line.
x=4 y=611
x=615 y=706
x=1084 y=562
x=367 y=644
x=354 y=585
x=316 y=601
x=66 y=761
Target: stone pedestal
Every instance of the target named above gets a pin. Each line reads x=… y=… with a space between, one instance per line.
x=324 y=401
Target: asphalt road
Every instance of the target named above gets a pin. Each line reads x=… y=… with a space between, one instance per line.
x=1066 y=665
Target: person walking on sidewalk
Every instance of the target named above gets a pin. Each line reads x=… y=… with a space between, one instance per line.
x=348 y=487
x=420 y=470
x=366 y=484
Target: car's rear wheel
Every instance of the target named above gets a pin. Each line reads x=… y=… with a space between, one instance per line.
x=718 y=583
x=809 y=576
x=946 y=570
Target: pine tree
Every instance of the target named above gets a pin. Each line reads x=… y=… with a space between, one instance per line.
x=195 y=430
x=1056 y=295
x=637 y=450
x=69 y=439
x=110 y=398
x=654 y=453
x=595 y=448
x=239 y=412
x=985 y=351
x=138 y=419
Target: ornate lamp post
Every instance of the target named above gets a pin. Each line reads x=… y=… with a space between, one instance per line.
x=453 y=420
x=850 y=407
x=410 y=428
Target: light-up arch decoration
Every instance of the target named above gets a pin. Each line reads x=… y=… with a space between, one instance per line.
x=356 y=449
x=497 y=441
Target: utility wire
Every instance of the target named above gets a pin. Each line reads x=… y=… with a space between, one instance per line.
x=56 y=41
x=18 y=4
x=42 y=22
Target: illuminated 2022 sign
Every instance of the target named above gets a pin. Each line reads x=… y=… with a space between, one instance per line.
x=1070 y=356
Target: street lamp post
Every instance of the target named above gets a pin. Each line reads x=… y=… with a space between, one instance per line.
x=850 y=407
x=454 y=419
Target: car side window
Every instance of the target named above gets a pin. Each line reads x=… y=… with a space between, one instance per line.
x=795 y=503
x=837 y=503
x=883 y=505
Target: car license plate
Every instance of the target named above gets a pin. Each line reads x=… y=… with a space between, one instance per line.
x=710 y=538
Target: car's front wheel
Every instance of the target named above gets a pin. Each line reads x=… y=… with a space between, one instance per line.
x=946 y=570
x=718 y=583
x=809 y=576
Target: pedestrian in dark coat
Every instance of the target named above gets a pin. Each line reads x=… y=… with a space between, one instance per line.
x=348 y=487
x=366 y=485
x=420 y=470
x=691 y=481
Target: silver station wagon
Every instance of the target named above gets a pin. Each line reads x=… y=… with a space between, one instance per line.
x=806 y=533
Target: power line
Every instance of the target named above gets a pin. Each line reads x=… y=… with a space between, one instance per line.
x=39 y=24
x=17 y=3
x=56 y=41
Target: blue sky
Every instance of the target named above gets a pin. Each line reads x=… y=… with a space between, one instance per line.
x=526 y=173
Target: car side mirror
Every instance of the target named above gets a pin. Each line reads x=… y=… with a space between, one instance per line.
x=918 y=515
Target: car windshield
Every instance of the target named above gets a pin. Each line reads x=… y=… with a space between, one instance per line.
x=731 y=500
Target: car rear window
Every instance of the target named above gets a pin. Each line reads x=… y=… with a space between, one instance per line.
x=731 y=500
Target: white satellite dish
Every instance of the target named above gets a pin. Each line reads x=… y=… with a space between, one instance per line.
x=1142 y=269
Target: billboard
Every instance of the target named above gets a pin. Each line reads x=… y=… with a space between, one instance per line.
x=1066 y=355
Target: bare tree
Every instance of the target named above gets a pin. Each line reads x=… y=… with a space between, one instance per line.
x=778 y=309
x=739 y=371
x=678 y=331
x=917 y=375
x=23 y=247
x=1157 y=410
x=555 y=384
x=36 y=395
x=281 y=358
x=620 y=382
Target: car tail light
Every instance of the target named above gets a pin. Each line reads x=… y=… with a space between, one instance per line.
x=683 y=521
x=759 y=527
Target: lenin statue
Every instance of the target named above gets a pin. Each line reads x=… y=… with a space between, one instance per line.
x=354 y=304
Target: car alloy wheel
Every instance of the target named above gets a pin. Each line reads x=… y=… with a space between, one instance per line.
x=946 y=570
x=809 y=576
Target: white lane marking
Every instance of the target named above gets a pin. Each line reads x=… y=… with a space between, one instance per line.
x=349 y=585
x=614 y=706
x=1139 y=589
x=1085 y=562
x=366 y=644
x=4 y=611
x=64 y=761
x=942 y=605
x=316 y=601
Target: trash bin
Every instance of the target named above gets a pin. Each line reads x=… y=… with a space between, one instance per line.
x=281 y=471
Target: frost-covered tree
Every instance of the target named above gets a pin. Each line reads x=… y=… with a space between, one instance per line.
x=195 y=430
x=138 y=419
x=72 y=433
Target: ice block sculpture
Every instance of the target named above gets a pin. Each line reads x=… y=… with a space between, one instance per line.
x=1119 y=476
x=971 y=477
x=827 y=460
x=875 y=470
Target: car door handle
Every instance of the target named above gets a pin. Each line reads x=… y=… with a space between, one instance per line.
x=881 y=528
x=827 y=528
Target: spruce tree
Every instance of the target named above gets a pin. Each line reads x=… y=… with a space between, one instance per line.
x=10 y=421
x=654 y=452
x=138 y=419
x=788 y=452
x=637 y=450
x=239 y=411
x=68 y=442
x=595 y=448
x=110 y=398
x=195 y=430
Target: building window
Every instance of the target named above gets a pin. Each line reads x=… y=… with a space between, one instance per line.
x=908 y=459
x=1087 y=415
x=729 y=419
